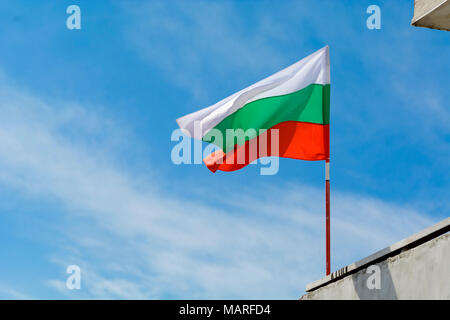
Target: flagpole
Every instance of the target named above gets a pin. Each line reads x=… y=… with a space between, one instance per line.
x=327 y=205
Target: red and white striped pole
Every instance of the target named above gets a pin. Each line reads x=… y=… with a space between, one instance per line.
x=327 y=206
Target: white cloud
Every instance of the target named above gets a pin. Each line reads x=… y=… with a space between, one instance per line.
x=12 y=294
x=138 y=241
x=193 y=41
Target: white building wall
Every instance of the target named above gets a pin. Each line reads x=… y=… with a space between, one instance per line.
x=422 y=272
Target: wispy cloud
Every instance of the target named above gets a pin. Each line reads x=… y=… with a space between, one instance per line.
x=191 y=42
x=13 y=294
x=135 y=240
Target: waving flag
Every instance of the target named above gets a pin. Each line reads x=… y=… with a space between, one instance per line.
x=293 y=103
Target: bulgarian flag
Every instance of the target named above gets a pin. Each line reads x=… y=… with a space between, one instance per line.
x=292 y=105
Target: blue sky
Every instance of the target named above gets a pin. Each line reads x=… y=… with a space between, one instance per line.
x=85 y=123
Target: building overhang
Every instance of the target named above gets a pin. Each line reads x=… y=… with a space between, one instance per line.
x=434 y=14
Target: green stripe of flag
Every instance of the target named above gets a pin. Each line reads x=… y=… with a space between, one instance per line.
x=310 y=104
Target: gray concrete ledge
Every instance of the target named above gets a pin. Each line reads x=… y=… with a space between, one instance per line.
x=413 y=241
